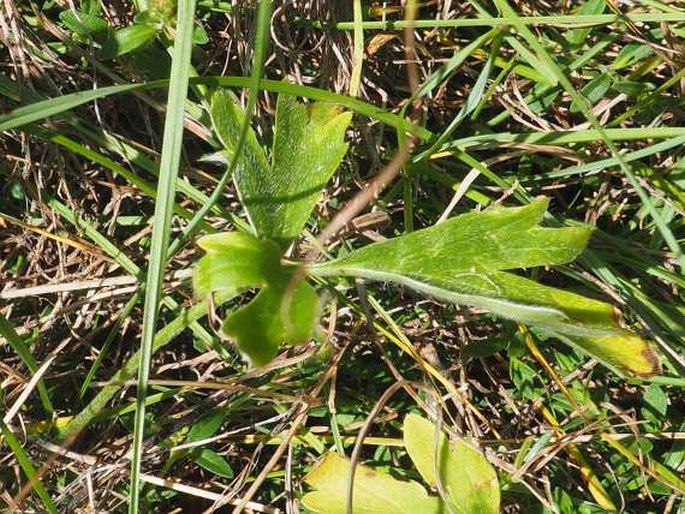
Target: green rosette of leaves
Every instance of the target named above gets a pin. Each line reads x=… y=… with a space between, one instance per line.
x=470 y=259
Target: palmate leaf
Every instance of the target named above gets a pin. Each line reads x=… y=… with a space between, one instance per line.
x=464 y=260
x=307 y=149
x=280 y=313
x=278 y=198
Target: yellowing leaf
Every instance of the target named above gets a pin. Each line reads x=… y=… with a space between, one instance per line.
x=464 y=260
x=420 y=443
x=467 y=477
x=373 y=493
x=623 y=351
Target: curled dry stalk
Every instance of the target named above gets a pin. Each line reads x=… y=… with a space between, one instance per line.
x=372 y=191
x=360 y=201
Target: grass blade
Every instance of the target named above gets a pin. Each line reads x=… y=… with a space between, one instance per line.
x=579 y=20
x=261 y=39
x=171 y=156
x=44 y=109
x=17 y=344
x=358 y=58
x=28 y=468
x=585 y=107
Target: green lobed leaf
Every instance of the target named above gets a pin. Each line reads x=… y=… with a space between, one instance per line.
x=235 y=260
x=497 y=239
x=468 y=478
x=373 y=491
x=278 y=314
x=463 y=261
x=308 y=147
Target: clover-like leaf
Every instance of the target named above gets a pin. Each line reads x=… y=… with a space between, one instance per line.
x=468 y=478
x=373 y=491
x=463 y=261
x=280 y=313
